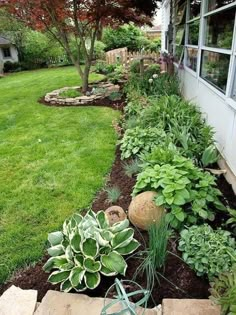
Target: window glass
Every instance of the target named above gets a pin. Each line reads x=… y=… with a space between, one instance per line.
x=214 y=68
x=6 y=52
x=219 y=29
x=180 y=12
x=193 y=32
x=195 y=8
x=191 y=60
x=234 y=86
x=215 y=4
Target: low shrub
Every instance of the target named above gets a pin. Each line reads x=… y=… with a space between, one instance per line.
x=71 y=93
x=104 y=68
x=117 y=75
x=88 y=248
x=12 y=66
x=186 y=191
x=223 y=291
x=113 y=194
x=132 y=168
x=135 y=66
x=139 y=140
x=209 y=252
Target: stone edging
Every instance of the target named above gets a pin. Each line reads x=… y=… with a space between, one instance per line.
x=54 y=96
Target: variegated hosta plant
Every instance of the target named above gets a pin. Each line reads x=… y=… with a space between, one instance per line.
x=88 y=248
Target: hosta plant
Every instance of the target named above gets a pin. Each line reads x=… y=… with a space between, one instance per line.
x=88 y=248
x=209 y=252
x=187 y=192
x=138 y=140
x=223 y=291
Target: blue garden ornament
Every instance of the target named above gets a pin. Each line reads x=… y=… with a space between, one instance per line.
x=122 y=299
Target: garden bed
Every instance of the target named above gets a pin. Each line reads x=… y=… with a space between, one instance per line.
x=185 y=283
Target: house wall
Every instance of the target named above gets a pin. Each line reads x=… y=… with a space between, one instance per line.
x=217 y=107
x=13 y=58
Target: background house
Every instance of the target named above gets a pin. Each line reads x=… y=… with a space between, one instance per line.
x=202 y=37
x=154 y=32
x=8 y=52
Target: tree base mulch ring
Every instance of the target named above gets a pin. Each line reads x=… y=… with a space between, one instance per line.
x=180 y=282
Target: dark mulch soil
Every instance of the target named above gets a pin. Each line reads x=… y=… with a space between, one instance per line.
x=180 y=282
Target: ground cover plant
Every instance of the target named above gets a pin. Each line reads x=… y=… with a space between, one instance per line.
x=87 y=249
x=70 y=93
x=53 y=160
x=209 y=252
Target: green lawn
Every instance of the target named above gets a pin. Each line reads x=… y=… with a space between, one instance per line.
x=52 y=161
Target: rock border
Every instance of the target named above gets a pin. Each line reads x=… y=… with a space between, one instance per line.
x=54 y=96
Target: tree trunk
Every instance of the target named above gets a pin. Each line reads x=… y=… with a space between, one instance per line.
x=85 y=79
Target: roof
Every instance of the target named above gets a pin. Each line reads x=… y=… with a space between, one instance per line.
x=4 y=41
x=154 y=29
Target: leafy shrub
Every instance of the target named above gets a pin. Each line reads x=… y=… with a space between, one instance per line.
x=99 y=50
x=115 y=96
x=232 y=220
x=135 y=66
x=189 y=193
x=117 y=75
x=104 y=68
x=207 y=251
x=12 y=66
x=152 y=71
x=71 y=93
x=138 y=140
x=183 y=121
x=153 y=45
x=88 y=248
x=223 y=292
x=210 y=155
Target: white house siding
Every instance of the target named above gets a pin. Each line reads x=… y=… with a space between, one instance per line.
x=219 y=109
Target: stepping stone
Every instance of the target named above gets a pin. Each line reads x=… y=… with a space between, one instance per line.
x=58 y=303
x=16 y=301
x=189 y=307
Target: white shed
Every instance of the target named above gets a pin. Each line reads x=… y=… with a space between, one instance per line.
x=201 y=34
x=8 y=52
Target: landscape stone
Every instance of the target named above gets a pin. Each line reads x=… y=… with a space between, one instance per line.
x=58 y=303
x=16 y=301
x=189 y=307
x=115 y=214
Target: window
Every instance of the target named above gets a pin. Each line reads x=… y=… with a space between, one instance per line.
x=215 y=4
x=219 y=29
x=180 y=30
x=233 y=93
x=214 y=69
x=191 y=58
x=193 y=32
x=6 y=52
x=195 y=9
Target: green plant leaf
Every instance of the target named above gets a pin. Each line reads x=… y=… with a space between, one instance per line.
x=75 y=243
x=55 y=238
x=120 y=226
x=76 y=276
x=58 y=276
x=66 y=286
x=89 y=247
x=56 y=250
x=114 y=262
x=92 y=280
x=103 y=220
x=128 y=249
x=91 y=265
x=122 y=238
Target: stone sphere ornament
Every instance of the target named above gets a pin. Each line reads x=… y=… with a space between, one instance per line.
x=115 y=214
x=143 y=211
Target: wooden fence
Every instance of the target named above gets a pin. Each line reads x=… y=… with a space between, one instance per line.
x=125 y=57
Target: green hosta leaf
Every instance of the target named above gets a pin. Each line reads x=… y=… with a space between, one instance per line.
x=122 y=238
x=75 y=243
x=76 y=276
x=105 y=250
x=114 y=262
x=91 y=265
x=69 y=253
x=89 y=247
x=119 y=226
x=81 y=287
x=58 y=276
x=107 y=235
x=92 y=280
x=107 y=272
x=128 y=249
x=56 y=250
x=78 y=218
x=79 y=260
x=102 y=220
x=55 y=238
x=101 y=241
x=66 y=286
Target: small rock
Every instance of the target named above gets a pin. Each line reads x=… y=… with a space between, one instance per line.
x=115 y=214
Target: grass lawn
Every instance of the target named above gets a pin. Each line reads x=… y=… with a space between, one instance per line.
x=52 y=162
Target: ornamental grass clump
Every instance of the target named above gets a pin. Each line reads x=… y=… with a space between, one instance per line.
x=88 y=248
x=188 y=193
x=209 y=252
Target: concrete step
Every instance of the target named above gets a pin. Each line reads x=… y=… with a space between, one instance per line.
x=16 y=301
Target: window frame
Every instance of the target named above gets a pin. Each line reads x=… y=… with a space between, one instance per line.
x=8 y=55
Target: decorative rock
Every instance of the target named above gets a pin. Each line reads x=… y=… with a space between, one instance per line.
x=16 y=301
x=189 y=307
x=115 y=214
x=143 y=211
x=57 y=303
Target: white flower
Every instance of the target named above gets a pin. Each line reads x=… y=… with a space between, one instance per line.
x=155 y=76
x=39 y=140
x=150 y=81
